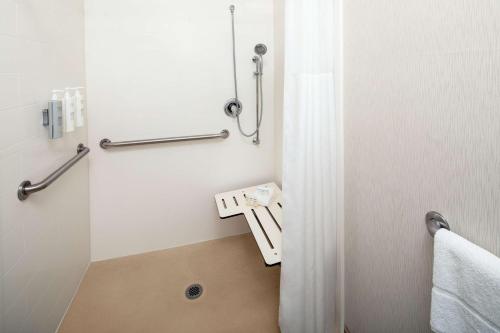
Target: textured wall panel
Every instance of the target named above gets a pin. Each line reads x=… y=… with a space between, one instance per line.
x=422 y=123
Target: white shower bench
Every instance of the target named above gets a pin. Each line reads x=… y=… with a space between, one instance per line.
x=265 y=222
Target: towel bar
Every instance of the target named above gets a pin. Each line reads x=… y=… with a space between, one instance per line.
x=435 y=221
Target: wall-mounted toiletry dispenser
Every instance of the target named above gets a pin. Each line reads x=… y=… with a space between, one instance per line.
x=53 y=119
x=79 y=106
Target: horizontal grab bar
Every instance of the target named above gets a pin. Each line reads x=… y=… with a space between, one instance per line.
x=25 y=189
x=106 y=143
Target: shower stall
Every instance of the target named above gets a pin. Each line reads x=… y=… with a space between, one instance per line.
x=153 y=150
x=247 y=166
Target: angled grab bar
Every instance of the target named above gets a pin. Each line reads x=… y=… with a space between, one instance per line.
x=106 y=143
x=25 y=189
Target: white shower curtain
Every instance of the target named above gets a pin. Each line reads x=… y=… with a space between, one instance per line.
x=308 y=270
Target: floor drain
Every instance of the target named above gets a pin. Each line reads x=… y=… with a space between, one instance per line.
x=194 y=291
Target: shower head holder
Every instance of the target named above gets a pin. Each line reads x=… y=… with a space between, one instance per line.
x=260 y=49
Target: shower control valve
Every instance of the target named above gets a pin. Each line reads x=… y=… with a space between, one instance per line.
x=233 y=108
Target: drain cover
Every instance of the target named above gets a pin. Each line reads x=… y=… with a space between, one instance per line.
x=194 y=291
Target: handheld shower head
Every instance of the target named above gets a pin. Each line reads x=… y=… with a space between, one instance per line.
x=231 y=9
x=260 y=49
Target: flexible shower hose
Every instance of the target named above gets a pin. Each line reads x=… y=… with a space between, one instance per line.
x=259 y=90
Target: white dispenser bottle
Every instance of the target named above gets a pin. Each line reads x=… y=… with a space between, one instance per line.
x=69 y=110
x=80 y=106
x=56 y=95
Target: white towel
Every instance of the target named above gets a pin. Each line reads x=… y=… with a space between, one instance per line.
x=466 y=292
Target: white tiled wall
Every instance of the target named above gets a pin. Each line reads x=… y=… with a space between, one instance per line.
x=164 y=68
x=44 y=241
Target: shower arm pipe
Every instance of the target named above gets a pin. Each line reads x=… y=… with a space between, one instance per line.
x=25 y=189
x=107 y=143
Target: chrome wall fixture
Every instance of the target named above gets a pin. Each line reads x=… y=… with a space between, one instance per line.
x=25 y=189
x=53 y=119
x=233 y=106
x=107 y=143
x=435 y=221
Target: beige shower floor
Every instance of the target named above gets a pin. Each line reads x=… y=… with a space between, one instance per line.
x=145 y=293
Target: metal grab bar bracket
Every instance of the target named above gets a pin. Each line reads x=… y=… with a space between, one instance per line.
x=435 y=221
x=80 y=148
x=26 y=188
x=107 y=143
x=21 y=193
x=104 y=143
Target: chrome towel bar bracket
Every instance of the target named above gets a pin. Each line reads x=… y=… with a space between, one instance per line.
x=435 y=221
x=25 y=189
x=107 y=143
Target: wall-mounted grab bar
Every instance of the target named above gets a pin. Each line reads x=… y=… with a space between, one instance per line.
x=25 y=189
x=435 y=221
x=106 y=143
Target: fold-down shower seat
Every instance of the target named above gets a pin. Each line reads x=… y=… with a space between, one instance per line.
x=265 y=222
